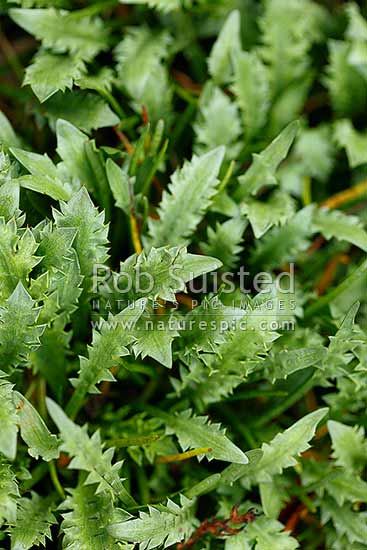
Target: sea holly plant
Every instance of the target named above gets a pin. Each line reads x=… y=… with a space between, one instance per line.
x=183 y=275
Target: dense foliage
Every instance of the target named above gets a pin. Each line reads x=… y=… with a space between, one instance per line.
x=217 y=150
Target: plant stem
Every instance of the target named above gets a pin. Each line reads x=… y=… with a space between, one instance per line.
x=94 y=9
x=184 y=456
x=304 y=387
x=346 y=196
x=55 y=479
x=335 y=292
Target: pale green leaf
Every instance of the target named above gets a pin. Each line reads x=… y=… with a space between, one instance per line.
x=34 y=431
x=354 y=142
x=50 y=73
x=189 y=195
x=160 y=526
x=263 y=169
x=63 y=31
x=196 y=432
x=227 y=44
x=251 y=88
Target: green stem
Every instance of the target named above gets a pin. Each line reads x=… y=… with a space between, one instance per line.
x=94 y=9
x=150 y=176
x=282 y=406
x=347 y=283
x=113 y=102
x=55 y=480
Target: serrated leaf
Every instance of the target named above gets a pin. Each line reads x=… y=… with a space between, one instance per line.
x=34 y=431
x=333 y=223
x=50 y=73
x=196 y=432
x=282 y=244
x=34 y=519
x=346 y=521
x=280 y=453
x=89 y=455
x=349 y=445
x=9 y=493
x=8 y=137
x=138 y=56
x=263 y=215
x=161 y=273
x=154 y=335
x=190 y=192
x=8 y=421
x=263 y=169
x=119 y=183
x=85 y=110
x=108 y=345
x=163 y=526
x=44 y=177
x=228 y=42
x=218 y=123
x=63 y=31
x=86 y=519
x=19 y=332
x=91 y=238
x=224 y=242
x=269 y=535
x=354 y=142
x=251 y=88
x=345 y=84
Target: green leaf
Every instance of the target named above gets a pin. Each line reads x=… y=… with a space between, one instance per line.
x=8 y=420
x=19 y=332
x=108 y=345
x=346 y=521
x=288 y=30
x=9 y=493
x=89 y=455
x=227 y=44
x=345 y=84
x=251 y=88
x=50 y=73
x=269 y=535
x=85 y=523
x=9 y=200
x=154 y=336
x=315 y=152
x=63 y=31
x=85 y=110
x=119 y=183
x=277 y=210
x=263 y=169
x=282 y=244
x=8 y=137
x=160 y=273
x=138 y=56
x=34 y=431
x=34 y=519
x=349 y=445
x=224 y=242
x=91 y=238
x=44 y=177
x=218 y=123
x=190 y=192
x=354 y=142
x=196 y=432
x=280 y=453
x=160 y=526
x=333 y=223
x=344 y=486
